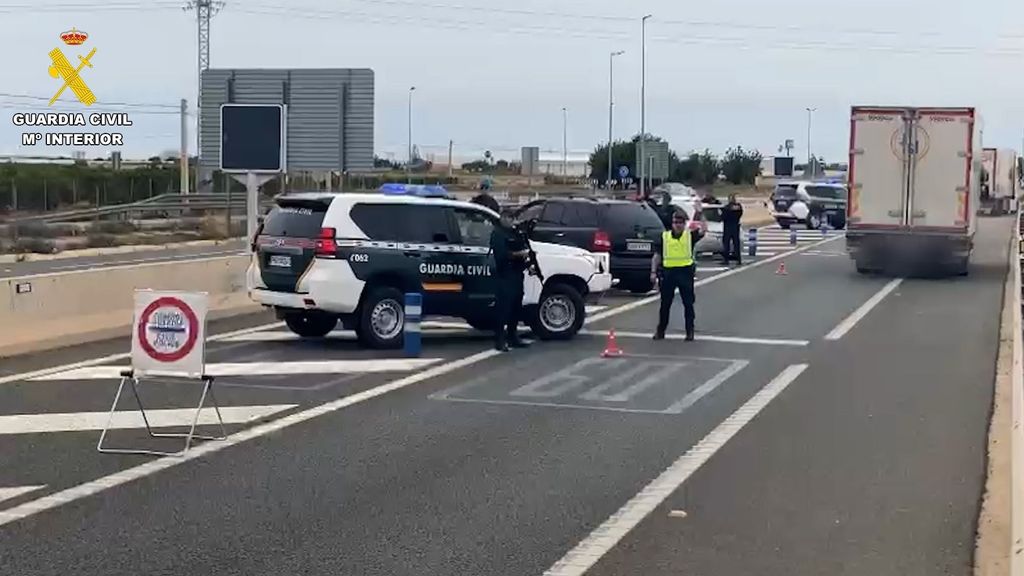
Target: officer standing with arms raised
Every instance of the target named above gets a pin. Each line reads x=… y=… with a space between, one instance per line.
x=673 y=268
x=732 y=214
x=510 y=262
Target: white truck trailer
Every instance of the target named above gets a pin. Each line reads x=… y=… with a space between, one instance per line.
x=915 y=184
x=1000 y=181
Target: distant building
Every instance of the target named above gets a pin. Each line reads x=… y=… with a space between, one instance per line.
x=576 y=165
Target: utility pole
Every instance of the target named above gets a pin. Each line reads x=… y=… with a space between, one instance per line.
x=565 y=141
x=408 y=164
x=611 y=109
x=643 y=99
x=451 y=145
x=205 y=9
x=184 y=146
x=810 y=155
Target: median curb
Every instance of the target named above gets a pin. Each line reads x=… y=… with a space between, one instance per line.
x=111 y=251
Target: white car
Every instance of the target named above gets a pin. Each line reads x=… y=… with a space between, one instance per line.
x=710 y=218
x=322 y=257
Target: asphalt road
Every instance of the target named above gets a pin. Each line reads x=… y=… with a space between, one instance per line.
x=823 y=423
x=157 y=254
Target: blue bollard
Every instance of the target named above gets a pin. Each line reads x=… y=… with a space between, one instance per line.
x=413 y=316
x=824 y=229
x=792 y=237
x=752 y=242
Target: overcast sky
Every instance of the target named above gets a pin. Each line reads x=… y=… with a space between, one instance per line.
x=495 y=74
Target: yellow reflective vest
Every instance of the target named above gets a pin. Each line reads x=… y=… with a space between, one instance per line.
x=676 y=252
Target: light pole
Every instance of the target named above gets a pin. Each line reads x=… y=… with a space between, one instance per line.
x=611 y=108
x=408 y=164
x=809 y=153
x=643 y=99
x=565 y=140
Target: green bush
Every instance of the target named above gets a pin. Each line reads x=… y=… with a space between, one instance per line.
x=101 y=240
x=35 y=245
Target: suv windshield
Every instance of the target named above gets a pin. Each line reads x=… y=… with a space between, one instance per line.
x=628 y=218
x=295 y=221
x=786 y=191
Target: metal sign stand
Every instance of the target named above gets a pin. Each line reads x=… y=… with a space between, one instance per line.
x=128 y=376
x=252 y=181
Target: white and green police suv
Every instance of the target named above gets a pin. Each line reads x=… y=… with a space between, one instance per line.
x=321 y=257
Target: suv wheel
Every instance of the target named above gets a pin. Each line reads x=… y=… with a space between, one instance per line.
x=382 y=318
x=559 y=315
x=813 y=221
x=310 y=324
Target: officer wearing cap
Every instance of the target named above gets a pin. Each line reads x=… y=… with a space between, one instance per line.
x=510 y=263
x=673 y=269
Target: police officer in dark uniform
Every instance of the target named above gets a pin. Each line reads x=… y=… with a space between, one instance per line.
x=673 y=268
x=511 y=257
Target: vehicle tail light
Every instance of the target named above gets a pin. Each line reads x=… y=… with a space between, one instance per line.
x=601 y=243
x=326 y=247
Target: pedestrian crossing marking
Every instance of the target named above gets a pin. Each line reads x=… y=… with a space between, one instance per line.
x=371 y=366
x=128 y=419
x=15 y=491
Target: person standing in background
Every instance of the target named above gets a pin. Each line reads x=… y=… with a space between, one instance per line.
x=732 y=214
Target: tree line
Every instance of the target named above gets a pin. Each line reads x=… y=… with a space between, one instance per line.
x=737 y=165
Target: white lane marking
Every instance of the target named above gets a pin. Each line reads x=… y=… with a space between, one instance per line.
x=117 y=267
x=170 y=258
x=708 y=387
x=711 y=268
x=154 y=466
x=14 y=492
x=705 y=337
x=162 y=418
x=344 y=335
x=370 y=366
x=115 y=357
x=705 y=281
x=850 y=321
x=599 y=542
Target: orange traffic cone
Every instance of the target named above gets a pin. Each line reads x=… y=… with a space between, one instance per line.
x=611 y=348
x=782 y=269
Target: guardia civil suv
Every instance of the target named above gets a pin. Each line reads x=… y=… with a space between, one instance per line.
x=320 y=258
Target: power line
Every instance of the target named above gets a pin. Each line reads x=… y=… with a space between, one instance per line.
x=561 y=32
x=71 y=7
x=100 y=102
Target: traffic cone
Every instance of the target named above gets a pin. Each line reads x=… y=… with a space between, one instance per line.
x=782 y=269
x=611 y=348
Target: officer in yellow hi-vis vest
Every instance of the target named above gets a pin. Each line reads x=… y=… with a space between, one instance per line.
x=673 y=268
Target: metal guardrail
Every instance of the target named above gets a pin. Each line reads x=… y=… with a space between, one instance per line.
x=1017 y=411
x=162 y=204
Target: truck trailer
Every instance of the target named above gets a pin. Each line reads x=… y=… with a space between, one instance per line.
x=915 y=184
x=1000 y=182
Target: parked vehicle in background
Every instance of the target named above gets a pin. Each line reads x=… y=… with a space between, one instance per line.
x=1000 y=181
x=626 y=230
x=709 y=216
x=809 y=203
x=915 y=181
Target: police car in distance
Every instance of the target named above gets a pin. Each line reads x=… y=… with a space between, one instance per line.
x=323 y=257
x=809 y=203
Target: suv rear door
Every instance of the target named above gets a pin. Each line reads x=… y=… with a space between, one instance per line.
x=633 y=229
x=286 y=241
x=567 y=222
x=784 y=196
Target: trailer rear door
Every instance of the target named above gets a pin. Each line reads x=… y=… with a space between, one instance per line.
x=942 y=141
x=878 y=179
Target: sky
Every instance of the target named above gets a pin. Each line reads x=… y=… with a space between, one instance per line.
x=495 y=74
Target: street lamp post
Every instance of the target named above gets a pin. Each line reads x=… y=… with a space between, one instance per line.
x=810 y=155
x=408 y=163
x=643 y=100
x=565 y=141
x=611 y=108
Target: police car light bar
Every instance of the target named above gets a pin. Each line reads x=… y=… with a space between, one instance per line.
x=420 y=190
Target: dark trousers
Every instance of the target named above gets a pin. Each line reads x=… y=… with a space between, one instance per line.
x=508 y=304
x=673 y=279
x=731 y=245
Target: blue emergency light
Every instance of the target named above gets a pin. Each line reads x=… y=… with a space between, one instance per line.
x=420 y=190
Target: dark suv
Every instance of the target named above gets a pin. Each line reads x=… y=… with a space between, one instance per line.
x=809 y=203
x=625 y=229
